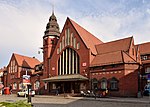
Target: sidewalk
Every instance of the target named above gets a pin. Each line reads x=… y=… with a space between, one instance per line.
x=145 y=99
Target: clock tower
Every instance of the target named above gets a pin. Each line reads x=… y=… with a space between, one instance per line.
x=50 y=38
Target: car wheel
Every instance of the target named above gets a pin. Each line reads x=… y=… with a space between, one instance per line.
x=18 y=95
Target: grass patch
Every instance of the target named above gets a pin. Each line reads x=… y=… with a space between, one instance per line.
x=21 y=103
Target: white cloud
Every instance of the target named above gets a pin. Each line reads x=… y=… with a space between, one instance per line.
x=21 y=31
x=23 y=23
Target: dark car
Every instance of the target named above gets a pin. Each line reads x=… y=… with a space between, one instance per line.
x=147 y=90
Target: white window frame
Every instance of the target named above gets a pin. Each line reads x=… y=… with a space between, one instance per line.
x=14 y=86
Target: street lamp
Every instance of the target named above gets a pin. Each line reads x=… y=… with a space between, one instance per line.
x=29 y=91
x=38 y=78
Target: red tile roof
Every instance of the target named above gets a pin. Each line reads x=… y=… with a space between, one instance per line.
x=107 y=58
x=116 y=57
x=144 y=48
x=122 y=44
x=26 y=61
x=113 y=53
x=89 y=39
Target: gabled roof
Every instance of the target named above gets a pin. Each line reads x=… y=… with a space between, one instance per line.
x=89 y=39
x=116 y=57
x=122 y=44
x=144 y=48
x=107 y=58
x=114 y=52
x=26 y=61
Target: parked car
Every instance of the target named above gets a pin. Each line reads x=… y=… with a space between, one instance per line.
x=25 y=92
x=147 y=90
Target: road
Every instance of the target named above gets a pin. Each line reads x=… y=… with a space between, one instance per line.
x=89 y=102
x=85 y=103
x=60 y=101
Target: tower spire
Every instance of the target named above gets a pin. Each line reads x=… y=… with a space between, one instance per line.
x=53 y=7
x=52 y=28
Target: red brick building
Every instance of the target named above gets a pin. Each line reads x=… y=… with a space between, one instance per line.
x=70 y=54
x=116 y=67
x=18 y=66
x=145 y=58
x=75 y=60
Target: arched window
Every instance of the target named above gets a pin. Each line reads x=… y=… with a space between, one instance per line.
x=68 y=62
x=103 y=83
x=114 y=84
x=37 y=85
x=15 y=86
x=94 y=83
x=20 y=86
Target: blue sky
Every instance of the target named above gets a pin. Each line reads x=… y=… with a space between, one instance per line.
x=23 y=22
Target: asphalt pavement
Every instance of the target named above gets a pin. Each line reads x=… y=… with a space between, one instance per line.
x=68 y=101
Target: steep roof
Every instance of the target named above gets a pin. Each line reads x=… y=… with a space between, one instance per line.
x=116 y=57
x=114 y=52
x=122 y=44
x=144 y=48
x=108 y=58
x=89 y=39
x=26 y=61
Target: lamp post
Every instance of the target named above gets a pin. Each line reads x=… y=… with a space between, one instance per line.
x=29 y=93
x=38 y=78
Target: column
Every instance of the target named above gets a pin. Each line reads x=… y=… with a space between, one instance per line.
x=63 y=63
x=69 y=61
x=76 y=63
x=66 y=60
x=60 y=65
x=73 y=62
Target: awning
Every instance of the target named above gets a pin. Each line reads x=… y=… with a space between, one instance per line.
x=72 y=77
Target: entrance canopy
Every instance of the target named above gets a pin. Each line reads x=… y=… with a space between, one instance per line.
x=72 y=77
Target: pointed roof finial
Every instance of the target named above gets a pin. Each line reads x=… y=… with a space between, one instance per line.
x=53 y=7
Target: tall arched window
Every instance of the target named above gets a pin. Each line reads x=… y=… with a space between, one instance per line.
x=68 y=62
x=103 y=83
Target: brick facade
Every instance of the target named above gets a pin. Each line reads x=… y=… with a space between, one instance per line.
x=78 y=55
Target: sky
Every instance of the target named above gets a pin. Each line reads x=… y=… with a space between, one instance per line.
x=23 y=22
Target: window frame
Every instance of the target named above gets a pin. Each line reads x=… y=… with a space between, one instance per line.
x=102 y=82
x=114 y=84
